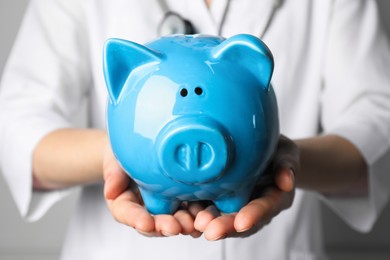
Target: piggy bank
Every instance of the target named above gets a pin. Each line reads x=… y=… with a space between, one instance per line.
x=191 y=117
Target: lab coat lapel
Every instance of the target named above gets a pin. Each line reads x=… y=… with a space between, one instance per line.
x=217 y=11
x=247 y=16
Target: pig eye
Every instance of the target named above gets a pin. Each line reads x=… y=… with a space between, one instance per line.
x=183 y=92
x=198 y=91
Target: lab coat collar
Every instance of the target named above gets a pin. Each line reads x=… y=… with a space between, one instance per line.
x=249 y=16
x=243 y=20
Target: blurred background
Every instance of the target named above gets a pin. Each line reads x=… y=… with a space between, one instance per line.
x=42 y=240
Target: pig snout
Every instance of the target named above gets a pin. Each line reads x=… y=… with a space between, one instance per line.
x=194 y=149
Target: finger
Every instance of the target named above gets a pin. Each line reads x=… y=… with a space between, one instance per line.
x=220 y=227
x=167 y=225
x=127 y=210
x=116 y=183
x=195 y=207
x=196 y=234
x=110 y=164
x=204 y=217
x=259 y=211
x=186 y=221
x=116 y=180
x=285 y=179
x=287 y=155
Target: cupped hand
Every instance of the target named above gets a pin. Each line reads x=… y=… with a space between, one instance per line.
x=125 y=204
x=267 y=202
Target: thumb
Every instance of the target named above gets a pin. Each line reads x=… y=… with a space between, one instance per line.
x=116 y=180
x=285 y=179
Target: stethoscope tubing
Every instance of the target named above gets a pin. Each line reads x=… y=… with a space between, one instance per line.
x=168 y=26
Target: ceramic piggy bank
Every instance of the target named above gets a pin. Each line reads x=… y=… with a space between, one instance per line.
x=191 y=117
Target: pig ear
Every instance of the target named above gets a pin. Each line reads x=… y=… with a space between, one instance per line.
x=120 y=58
x=250 y=52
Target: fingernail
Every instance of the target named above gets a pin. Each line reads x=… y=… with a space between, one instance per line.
x=291 y=180
x=292 y=174
x=218 y=237
x=106 y=184
x=147 y=234
x=241 y=230
x=166 y=234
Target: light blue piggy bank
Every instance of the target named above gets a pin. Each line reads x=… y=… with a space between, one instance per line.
x=192 y=117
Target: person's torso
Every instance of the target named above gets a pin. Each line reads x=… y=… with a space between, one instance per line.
x=297 y=50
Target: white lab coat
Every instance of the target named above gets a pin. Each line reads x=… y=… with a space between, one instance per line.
x=331 y=76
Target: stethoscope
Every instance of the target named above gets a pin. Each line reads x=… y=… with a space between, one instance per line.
x=173 y=23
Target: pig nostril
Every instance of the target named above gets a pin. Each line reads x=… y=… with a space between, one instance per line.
x=198 y=91
x=183 y=92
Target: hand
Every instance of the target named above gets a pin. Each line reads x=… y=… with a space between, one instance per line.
x=265 y=203
x=125 y=203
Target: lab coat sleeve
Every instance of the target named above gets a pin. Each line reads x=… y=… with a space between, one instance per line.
x=356 y=102
x=43 y=86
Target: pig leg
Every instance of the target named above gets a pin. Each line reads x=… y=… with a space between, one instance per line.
x=233 y=202
x=156 y=204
